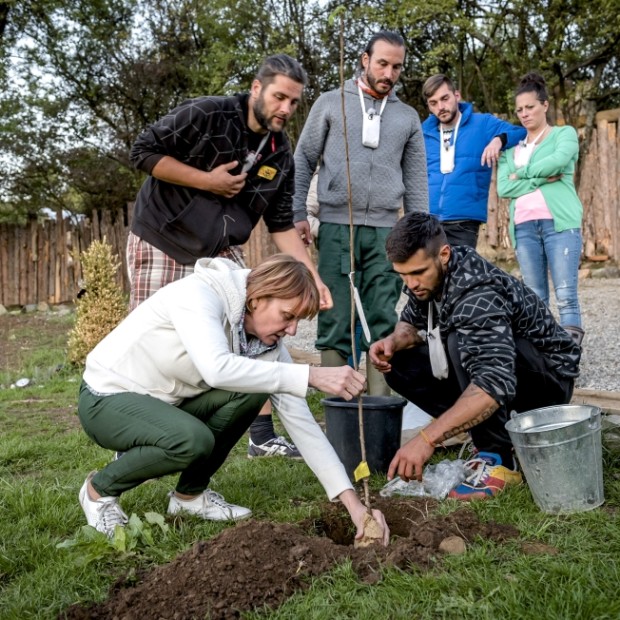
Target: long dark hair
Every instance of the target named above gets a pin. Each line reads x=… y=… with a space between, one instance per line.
x=533 y=83
x=388 y=36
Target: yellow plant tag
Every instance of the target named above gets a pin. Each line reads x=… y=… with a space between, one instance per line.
x=267 y=172
x=361 y=471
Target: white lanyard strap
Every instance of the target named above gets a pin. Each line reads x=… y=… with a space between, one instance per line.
x=454 y=134
x=251 y=158
x=436 y=352
x=371 y=111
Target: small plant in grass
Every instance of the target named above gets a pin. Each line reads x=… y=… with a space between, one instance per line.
x=101 y=308
x=137 y=535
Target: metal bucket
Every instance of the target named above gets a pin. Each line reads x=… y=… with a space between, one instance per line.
x=560 y=451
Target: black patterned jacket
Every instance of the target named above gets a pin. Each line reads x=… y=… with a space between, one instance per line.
x=488 y=308
x=187 y=223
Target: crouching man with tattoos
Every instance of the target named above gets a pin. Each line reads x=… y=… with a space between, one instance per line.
x=473 y=343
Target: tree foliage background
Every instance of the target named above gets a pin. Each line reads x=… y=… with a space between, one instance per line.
x=81 y=78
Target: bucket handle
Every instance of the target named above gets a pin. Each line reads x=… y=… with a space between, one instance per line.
x=513 y=414
x=594 y=418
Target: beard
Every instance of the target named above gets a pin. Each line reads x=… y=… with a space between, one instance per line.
x=261 y=117
x=382 y=83
x=452 y=116
x=435 y=289
x=441 y=276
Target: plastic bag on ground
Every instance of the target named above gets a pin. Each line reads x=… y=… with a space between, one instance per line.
x=438 y=479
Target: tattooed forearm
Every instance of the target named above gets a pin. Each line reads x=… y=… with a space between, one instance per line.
x=472 y=391
x=457 y=430
x=406 y=335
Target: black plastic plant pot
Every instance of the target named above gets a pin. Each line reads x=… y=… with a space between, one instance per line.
x=382 y=416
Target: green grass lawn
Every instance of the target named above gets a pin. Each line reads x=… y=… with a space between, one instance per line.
x=571 y=571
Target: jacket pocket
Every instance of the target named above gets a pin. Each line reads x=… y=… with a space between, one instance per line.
x=205 y=226
x=386 y=188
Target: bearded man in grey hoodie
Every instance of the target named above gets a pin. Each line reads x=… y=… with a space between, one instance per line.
x=387 y=164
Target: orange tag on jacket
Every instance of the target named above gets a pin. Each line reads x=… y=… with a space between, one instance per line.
x=267 y=172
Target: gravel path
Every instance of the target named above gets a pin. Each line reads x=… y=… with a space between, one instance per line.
x=600 y=308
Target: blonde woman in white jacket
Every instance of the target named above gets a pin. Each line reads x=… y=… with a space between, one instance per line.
x=179 y=381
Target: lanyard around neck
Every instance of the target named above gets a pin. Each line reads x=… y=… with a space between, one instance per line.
x=534 y=142
x=454 y=133
x=371 y=111
x=252 y=158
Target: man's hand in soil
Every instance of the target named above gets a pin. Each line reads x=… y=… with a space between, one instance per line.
x=408 y=462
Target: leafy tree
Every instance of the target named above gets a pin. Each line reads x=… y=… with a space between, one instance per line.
x=83 y=77
x=103 y=83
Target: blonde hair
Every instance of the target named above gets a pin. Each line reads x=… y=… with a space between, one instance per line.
x=284 y=277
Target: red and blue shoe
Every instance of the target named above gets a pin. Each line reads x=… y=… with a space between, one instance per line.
x=486 y=478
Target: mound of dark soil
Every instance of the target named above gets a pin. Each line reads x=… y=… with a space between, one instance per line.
x=242 y=569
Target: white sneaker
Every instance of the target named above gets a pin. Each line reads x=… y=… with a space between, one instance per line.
x=104 y=514
x=209 y=505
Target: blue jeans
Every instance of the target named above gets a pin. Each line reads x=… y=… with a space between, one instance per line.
x=540 y=249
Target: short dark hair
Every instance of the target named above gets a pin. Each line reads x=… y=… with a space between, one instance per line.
x=388 y=36
x=281 y=64
x=434 y=83
x=413 y=232
x=533 y=83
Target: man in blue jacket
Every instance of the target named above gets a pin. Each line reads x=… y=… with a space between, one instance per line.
x=461 y=148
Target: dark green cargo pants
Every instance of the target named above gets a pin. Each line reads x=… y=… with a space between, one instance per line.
x=193 y=438
x=378 y=284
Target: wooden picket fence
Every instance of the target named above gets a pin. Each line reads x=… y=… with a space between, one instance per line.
x=40 y=262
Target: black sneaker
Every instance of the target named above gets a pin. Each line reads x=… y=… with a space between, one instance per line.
x=278 y=446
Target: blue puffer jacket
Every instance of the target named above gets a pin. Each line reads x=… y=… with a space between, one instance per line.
x=463 y=194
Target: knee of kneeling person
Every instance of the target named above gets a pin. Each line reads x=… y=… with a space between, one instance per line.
x=196 y=444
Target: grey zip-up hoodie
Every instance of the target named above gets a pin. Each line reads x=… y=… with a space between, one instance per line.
x=381 y=178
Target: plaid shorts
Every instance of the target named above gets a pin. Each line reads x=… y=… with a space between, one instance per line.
x=149 y=268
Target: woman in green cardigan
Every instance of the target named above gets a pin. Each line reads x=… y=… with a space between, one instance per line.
x=545 y=211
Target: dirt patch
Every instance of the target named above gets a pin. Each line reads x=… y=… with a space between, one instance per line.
x=20 y=334
x=241 y=569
